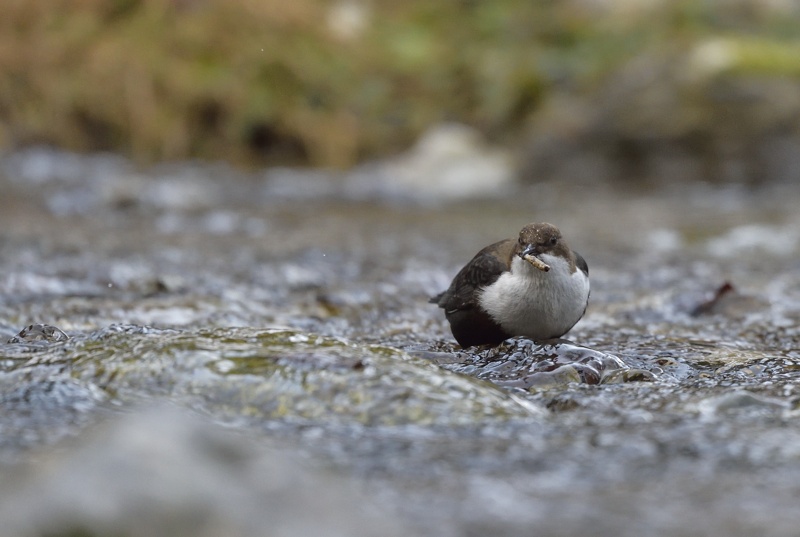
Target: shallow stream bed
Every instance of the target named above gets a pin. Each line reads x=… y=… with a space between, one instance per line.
x=291 y=311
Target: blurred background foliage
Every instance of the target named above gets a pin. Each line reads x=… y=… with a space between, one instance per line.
x=332 y=83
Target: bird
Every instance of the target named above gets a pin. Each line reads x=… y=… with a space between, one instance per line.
x=532 y=286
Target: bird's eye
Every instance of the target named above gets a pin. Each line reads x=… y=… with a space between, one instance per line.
x=553 y=240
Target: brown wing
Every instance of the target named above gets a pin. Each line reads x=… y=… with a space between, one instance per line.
x=482 y=270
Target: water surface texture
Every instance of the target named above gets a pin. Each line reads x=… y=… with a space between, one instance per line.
x=291 y=309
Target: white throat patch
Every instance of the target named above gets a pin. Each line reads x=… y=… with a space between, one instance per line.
x=538 y=305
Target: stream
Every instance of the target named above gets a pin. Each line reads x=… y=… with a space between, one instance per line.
x=259 y=348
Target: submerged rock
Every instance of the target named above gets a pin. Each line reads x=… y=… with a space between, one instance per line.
x=39 y=332
x=530 y=366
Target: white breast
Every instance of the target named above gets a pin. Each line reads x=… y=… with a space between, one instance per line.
x=538 y=305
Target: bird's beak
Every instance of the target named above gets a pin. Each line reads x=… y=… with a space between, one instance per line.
x=529 y=255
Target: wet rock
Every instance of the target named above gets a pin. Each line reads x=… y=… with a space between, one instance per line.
x=449 y=162
x=39 y=332
x=164 y=472
x=527 y=365
x=560 y=376
x=630 y=375
x=281 y=375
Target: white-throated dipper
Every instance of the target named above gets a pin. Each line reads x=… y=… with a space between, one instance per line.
x=533 y=286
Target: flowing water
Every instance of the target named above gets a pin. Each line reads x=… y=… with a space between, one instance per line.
x=291 y=308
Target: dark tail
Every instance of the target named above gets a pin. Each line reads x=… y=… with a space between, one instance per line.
x=436 y=299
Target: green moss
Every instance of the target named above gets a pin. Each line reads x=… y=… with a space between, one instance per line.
x=279 y=374
x=767 y=57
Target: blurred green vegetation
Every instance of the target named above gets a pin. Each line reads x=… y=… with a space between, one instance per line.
x=334 y=82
